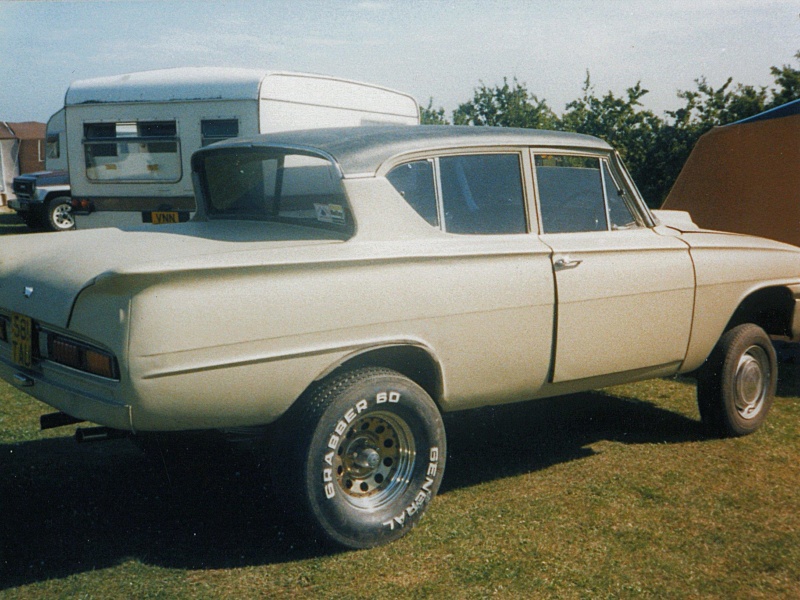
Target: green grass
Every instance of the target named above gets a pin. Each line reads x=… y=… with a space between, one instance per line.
x=614 y=494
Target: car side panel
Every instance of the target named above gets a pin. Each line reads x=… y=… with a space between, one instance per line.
x=254 y=341
x=729 y=268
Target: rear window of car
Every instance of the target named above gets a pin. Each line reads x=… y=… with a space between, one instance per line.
x=271 y=185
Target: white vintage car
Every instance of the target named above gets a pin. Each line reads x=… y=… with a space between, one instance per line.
x=349 y=286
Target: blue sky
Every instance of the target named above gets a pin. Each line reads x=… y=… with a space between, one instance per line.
x=439 y=49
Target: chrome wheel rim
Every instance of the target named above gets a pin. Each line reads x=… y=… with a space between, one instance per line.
x=62 y=216
x=374 y=460
x=752 y=381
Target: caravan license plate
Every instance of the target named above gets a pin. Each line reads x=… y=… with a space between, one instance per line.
x=162 y=217
x=22 y=340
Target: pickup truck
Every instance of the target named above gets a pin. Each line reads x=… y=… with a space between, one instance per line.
x=44 y=199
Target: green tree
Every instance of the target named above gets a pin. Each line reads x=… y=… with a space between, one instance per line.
x=654 y=148
x=708 y=107
x=432 y=116
x=507 y=105
x=788 y=80
x=619 y=120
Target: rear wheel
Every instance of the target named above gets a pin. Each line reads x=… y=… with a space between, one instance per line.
x=362 y=457
x=737 y=385
x=59 y=214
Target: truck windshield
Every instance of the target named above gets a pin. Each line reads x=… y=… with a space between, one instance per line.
x=265 y=184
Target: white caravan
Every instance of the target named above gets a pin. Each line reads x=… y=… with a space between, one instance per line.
x=129 y=138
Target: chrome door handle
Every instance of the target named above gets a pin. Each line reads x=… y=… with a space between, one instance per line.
x=565 y=263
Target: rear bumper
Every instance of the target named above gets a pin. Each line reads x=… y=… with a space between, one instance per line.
x=68 y=392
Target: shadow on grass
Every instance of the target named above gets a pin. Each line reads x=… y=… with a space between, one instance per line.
x=503 y=441
x=67 y=508
x=789 y=376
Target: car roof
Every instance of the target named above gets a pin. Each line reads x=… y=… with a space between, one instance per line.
x=362 y=150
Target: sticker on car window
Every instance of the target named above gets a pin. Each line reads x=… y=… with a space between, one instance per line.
x=330 y=213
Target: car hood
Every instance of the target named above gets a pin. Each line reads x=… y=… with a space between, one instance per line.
x=42 y=274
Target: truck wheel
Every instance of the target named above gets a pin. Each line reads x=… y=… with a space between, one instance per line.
x=59 y=214
x=361 y=457
x=737 y=385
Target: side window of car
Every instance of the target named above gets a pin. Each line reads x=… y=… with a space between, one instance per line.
x=620 y=214
x=478 y=194
x=482 y=194
x=570 y=193
x=415 y=183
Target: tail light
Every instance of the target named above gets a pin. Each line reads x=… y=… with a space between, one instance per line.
x=79 y=356
x=82 y=205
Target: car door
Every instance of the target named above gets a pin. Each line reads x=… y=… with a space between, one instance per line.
x=494 y=340
x=624 y=293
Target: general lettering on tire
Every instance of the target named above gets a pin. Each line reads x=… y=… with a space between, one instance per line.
x=424 y=496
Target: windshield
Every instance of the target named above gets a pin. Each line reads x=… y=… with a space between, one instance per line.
x=274 y=185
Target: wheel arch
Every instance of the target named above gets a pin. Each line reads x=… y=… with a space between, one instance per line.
x=771 y=308
x=415 y=361
x=57 y=194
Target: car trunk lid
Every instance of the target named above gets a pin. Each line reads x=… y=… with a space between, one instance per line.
x=42 y=274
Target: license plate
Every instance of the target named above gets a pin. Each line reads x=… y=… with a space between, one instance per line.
x=22 y=340
x=162 y=217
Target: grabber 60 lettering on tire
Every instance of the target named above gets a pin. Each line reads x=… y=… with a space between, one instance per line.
x=736 y=387
x=363 y=458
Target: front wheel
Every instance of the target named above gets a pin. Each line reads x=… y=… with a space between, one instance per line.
x=737 y=385
x=362 y=457
x=59 y=214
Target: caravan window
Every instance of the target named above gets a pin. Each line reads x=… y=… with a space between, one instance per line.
x=215 y=130
x=53 y=146
x=134 y=152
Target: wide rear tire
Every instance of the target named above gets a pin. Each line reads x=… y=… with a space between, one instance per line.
x=361 y=457
x=736 y=387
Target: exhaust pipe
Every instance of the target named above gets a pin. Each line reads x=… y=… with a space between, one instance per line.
x=98 y=434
